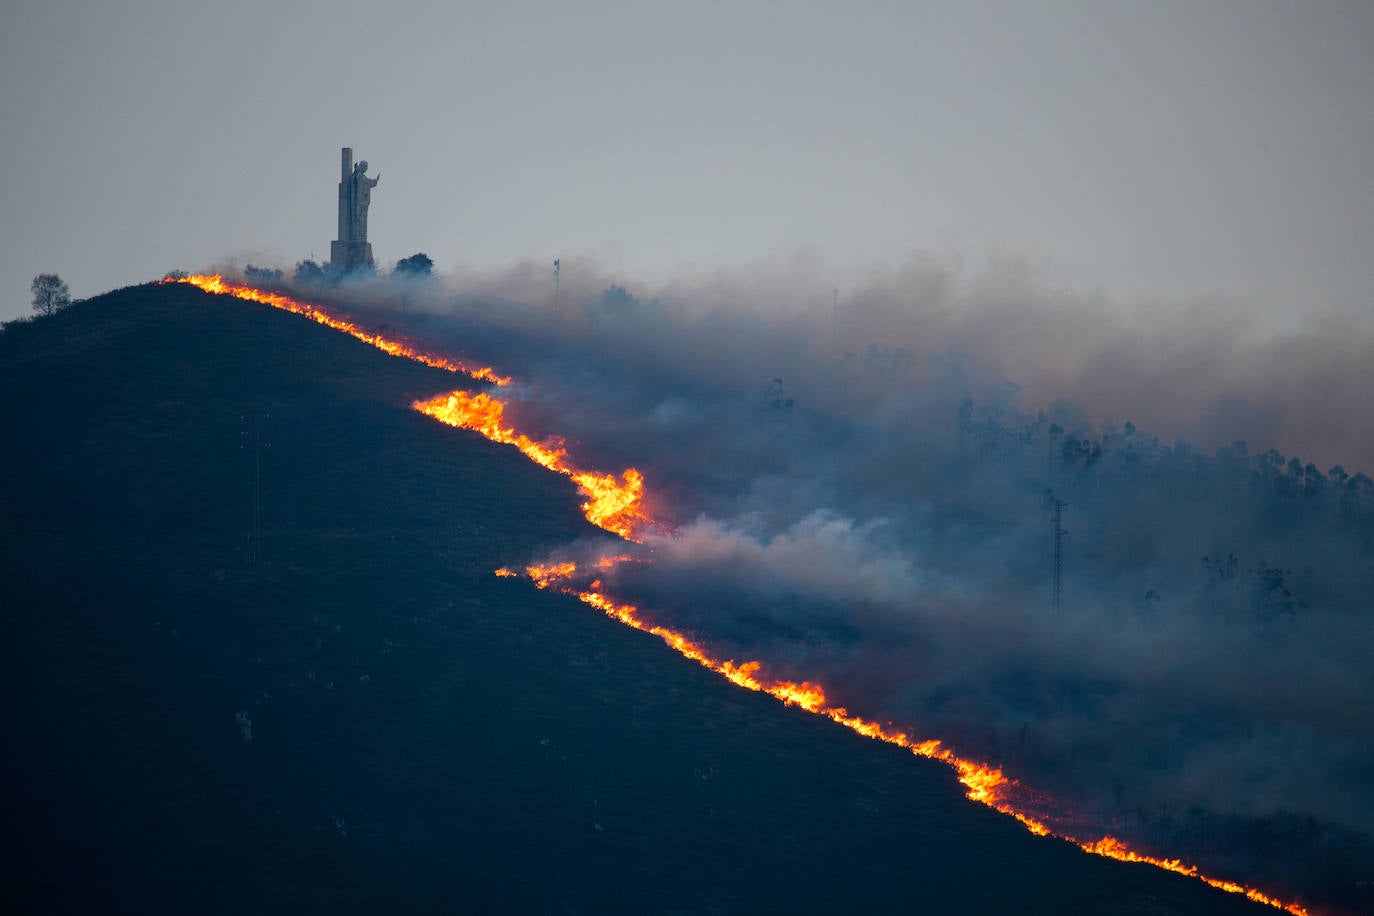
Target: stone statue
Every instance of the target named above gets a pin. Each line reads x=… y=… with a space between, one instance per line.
x=362 y=198
x=351 y=250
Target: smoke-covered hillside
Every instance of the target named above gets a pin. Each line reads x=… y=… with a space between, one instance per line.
x=868 y=503
x=259 y=663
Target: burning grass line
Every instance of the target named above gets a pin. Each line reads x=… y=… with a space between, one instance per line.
x=214 y=283
x=613 y=504
x=984 y=783
x=616 y=505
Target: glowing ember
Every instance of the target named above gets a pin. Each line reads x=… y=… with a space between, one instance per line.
x=613 y=504
x=616 y=505
x=214 y=283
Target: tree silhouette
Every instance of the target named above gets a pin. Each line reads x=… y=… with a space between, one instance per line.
x=417 y=265
x=50 y=294
x=308 y=272
x=618 y=298
x=263 y=276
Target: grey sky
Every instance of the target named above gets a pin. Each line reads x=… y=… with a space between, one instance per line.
x=1150 y=150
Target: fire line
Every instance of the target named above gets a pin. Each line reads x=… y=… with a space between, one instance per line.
x=612 y=504
x=214 y=283
x=985 y=784
x=616 y=505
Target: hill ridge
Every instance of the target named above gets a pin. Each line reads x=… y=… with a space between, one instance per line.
x=352 y=642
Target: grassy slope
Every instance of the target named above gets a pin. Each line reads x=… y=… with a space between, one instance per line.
x=427 y=738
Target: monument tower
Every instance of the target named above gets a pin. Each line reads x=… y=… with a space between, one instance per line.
x=351 y=249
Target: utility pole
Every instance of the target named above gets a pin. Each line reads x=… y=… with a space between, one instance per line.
x=1057 y=527
x=557 y=306
x=835 y=322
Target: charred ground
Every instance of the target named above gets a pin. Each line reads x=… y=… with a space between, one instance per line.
x=425 y=737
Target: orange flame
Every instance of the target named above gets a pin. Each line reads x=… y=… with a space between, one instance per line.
x=616 y=506
x=984 y=783
x=613 y=504
x=214 y=283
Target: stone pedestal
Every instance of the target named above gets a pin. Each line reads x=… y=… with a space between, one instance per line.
x=350 y=255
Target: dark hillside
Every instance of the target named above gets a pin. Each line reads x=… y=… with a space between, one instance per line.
x=366 y=720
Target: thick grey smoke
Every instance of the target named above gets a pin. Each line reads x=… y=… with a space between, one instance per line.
x=1210 y=371
x=866 y=503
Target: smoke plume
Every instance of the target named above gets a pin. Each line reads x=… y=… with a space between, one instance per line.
x=861 y=488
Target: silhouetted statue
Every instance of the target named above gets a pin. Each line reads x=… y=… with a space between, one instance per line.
x=362 y=197
x=351 y=250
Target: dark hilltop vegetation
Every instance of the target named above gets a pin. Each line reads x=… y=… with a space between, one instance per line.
x=256 y=661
